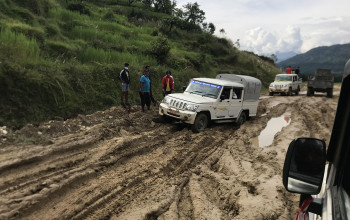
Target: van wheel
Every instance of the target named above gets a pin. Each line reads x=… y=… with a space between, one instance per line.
x=200 y=123
x=242 y=118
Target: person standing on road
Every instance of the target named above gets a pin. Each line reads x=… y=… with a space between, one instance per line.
x=167 y=84
x=145 y=85
x=125 y=78
x=289 y=70
x=148 y=70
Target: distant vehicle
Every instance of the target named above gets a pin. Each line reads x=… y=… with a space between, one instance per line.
x=322 y=81
x=285 y=84
x=227 y=98
x=305 y=170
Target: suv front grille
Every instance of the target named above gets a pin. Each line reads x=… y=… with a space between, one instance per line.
x=177 y=104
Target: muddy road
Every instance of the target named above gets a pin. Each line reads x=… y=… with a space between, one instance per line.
x=117 y=164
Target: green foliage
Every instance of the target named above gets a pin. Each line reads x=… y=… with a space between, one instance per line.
x=193 y=14
x=17 y=46
x=59 y=62
x=29 y=31
x=160 y=48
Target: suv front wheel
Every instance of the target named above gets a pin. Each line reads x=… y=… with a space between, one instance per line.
x=200 y=123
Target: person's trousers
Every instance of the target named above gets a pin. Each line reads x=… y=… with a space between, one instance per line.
x=145 y=99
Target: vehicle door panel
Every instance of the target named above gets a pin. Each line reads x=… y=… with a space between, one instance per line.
x=236 y=103
x=224 y=104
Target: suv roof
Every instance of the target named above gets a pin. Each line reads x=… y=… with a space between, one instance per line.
x=220 y=82
x=287 y=74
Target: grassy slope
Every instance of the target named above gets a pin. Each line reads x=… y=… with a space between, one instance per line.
x=56 y=63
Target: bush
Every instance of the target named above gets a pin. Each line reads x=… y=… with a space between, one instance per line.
x=109 y=16
x=78 y=7
x=160 y=48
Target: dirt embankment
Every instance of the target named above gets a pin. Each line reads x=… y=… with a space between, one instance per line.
x=130 y=165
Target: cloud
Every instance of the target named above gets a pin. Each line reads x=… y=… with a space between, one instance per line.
x=264 y=42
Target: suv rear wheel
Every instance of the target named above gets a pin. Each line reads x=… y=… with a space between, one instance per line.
x=200 y=123
x=242 y=118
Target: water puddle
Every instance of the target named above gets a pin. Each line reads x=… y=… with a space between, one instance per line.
x=273 y=126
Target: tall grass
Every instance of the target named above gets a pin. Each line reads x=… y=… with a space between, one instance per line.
x=93 y=55
x=18 y=46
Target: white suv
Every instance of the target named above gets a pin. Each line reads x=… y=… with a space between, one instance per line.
x=285 y=84
x=227 y=98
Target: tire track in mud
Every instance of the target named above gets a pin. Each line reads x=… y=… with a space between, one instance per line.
x=134 y=168
x=173 y=168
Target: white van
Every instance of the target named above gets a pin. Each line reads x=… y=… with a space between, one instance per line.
x=227 y=98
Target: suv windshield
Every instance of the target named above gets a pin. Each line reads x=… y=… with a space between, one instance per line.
x=283 y=78
x=204 y=89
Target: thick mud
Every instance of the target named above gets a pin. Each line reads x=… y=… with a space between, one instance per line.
x=125 y=164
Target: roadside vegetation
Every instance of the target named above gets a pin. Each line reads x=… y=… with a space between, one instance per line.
x=60 y=58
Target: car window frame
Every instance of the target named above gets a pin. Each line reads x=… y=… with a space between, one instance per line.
x=338 y=154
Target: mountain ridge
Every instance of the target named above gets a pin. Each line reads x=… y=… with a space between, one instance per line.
x=324 y=57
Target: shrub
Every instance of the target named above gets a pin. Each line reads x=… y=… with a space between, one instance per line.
x=160 y=48
x=79 y=7
x=109 y=16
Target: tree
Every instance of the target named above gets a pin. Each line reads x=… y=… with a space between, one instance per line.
x=165 y=6
x=209 y=28
x=274 y=57
x=237 y=44
x=193 y=14
x=148 y=3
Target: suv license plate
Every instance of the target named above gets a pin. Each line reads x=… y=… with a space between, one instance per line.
x=174 y=111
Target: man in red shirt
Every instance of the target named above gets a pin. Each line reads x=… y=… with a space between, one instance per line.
x=288 y=70
x=167 y=84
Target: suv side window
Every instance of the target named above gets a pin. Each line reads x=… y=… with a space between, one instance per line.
x=226 y=93
x=238 y=93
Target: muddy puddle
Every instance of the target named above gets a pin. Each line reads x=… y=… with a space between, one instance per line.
x=273 y=126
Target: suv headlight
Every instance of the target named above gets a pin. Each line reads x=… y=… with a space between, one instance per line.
x=166 y=100
x=272 y=85
x=192 y=107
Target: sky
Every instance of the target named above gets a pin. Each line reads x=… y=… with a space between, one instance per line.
x=266 y=27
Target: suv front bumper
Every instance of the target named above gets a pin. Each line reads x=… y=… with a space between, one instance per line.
x=278 y=89
x=182 y=115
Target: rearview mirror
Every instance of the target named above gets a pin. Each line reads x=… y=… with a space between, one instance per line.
x=304 y=166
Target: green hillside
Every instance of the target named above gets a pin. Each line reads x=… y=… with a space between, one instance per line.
x=60 y=58
x=332 y=57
